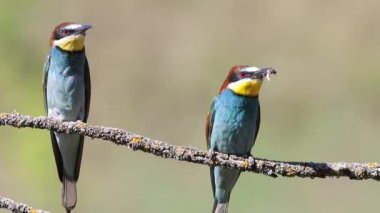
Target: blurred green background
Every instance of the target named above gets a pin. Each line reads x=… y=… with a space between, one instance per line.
x=155 y=67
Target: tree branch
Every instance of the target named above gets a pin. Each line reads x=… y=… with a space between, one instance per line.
x=355 y=171
x=15 y=207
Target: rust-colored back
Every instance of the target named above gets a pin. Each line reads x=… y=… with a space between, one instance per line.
x=232 y=72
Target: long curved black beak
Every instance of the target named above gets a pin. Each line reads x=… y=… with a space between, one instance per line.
x=83 y=28
x=266 y=71
x=263 y=72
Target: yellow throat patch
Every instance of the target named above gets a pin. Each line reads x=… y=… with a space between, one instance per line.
x=246 y=87
x=71 y=43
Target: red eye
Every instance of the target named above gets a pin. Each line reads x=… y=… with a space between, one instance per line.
x=65 y=32
x=242 y=74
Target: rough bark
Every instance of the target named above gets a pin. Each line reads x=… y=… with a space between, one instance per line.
x=272 y=168
x=16 y=207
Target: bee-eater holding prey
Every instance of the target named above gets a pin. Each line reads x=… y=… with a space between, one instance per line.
x=67 y=91
x=232 y=126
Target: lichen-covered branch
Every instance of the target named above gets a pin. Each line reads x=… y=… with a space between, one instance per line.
x=16 y=207
x=355 y=171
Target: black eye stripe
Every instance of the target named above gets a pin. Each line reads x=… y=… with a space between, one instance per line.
x=253 y=75
x=246 y=74
x=66 y=32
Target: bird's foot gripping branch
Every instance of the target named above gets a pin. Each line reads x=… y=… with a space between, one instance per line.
x=354 y=171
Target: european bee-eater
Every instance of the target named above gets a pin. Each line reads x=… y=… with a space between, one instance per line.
x=67 y=91
x=232 y=126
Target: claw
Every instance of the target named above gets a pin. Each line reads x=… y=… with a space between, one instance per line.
x=211 y=152
x=251 y=160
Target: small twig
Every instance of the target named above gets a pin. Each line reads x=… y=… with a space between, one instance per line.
x=355 y=171
x=15 y=207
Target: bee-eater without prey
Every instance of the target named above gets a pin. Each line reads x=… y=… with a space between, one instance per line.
x=67 y=91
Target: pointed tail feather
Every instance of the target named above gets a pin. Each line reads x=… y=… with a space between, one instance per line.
x=69 y=194
x=220 y=207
